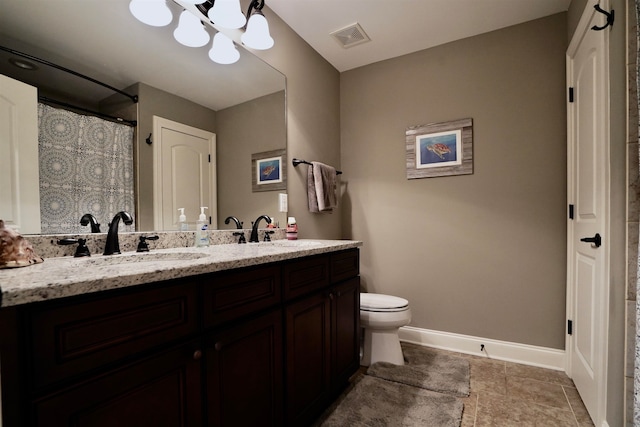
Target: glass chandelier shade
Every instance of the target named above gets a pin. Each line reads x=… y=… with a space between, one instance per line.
x=227 y=14
x=223 y=51
x=257 y=34
x=190 y=31
x=151 y=12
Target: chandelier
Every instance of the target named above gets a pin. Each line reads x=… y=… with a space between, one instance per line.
x=191 y=30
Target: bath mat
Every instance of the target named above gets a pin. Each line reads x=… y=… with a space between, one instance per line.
x=439 y=372
x=376 y=402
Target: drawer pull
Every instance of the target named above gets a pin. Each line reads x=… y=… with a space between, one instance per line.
x=197 y=355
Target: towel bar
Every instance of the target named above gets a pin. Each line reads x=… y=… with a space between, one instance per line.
x=296 y=162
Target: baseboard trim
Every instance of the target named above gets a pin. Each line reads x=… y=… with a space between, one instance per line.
x=543 y=357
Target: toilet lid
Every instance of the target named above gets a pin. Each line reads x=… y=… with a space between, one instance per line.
x=381 y=302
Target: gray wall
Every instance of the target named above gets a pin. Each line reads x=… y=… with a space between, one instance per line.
x=245 y=129
x=490 y=246
x=483 y=254
x=313 y=121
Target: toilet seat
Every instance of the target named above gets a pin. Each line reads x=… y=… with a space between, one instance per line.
x=381 y=303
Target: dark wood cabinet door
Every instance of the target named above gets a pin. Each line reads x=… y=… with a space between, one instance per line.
x=69 y=339
x=308 y=353
x=164 y=390
x=244 y=373
x=345 y=326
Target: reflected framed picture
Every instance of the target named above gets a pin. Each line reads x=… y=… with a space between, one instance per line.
x=269 y=170
x=440 y=149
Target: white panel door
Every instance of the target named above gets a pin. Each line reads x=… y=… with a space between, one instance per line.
x=19 y=174
x=185 y=174
x=588 y=271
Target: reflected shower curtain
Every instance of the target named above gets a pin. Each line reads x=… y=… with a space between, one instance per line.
x=86 y=166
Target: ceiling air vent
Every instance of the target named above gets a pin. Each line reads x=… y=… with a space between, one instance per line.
x=351 y=36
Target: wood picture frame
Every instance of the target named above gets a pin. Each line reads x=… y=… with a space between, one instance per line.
x=440 y=149
x=269 y=170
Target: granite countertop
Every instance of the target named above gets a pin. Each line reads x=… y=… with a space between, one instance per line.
x=67 y=276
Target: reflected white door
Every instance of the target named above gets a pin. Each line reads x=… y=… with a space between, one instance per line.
x=19 y=173
x=588 y=269
x=185 y=174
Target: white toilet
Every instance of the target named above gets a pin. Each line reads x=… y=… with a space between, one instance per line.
x=381 y=316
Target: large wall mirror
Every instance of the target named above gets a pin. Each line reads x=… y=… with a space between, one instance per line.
x=244 y=103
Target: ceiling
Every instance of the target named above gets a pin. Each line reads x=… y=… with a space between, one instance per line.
x=101 y=38
x=399 y=27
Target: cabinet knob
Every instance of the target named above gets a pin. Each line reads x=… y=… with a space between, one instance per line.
x=218 y=346
x=331 y=296
x=197 y=355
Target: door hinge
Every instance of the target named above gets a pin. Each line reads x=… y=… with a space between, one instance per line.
x=570 y=94
x=570 y=327
x=570 y=211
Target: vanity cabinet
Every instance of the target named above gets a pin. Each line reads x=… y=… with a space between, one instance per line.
x=243 y=347
x=322 y=332
x=268 y=345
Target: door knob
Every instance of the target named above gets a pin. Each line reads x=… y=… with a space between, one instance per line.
x=596 y=240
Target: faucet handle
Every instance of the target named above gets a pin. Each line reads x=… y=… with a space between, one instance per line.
x=142 y=244
x=267 y=237
x=81 y=251
x=241 y=239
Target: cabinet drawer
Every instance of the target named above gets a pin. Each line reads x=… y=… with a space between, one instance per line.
x=164 y=390
x=305 y=276
x=344 y=265
x=231 y=295
x=70 y=339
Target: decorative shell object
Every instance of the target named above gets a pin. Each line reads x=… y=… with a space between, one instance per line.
x=15 y=250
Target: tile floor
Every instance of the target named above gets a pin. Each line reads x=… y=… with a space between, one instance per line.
x=510 y=394
x=505 y=394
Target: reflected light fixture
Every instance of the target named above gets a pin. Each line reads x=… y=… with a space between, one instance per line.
x=151 y=12
x=222 y=13
x=190 y=31
x=223 y=51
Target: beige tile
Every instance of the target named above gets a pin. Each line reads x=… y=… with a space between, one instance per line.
x=632 y=131
x=544 y=393
x=630 y=356
x=536 y=373
x=629 y=395
x=633 y=231
x=469 y=412
x=487 y=375
x=578 y=408
x=499 y=411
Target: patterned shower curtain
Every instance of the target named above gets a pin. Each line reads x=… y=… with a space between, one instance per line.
x=86 y=166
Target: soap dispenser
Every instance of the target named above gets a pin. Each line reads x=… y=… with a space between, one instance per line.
x=182 y=221
x=202 y=236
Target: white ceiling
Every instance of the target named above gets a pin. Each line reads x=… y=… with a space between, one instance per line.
x=102 y=39
x=398 y=27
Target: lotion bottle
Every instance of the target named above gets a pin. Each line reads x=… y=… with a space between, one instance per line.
x=202 y=237
x=292 y=228
x=182 y=221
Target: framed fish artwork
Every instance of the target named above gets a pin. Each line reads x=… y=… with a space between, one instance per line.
x=268 y=171
x=440 y=149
